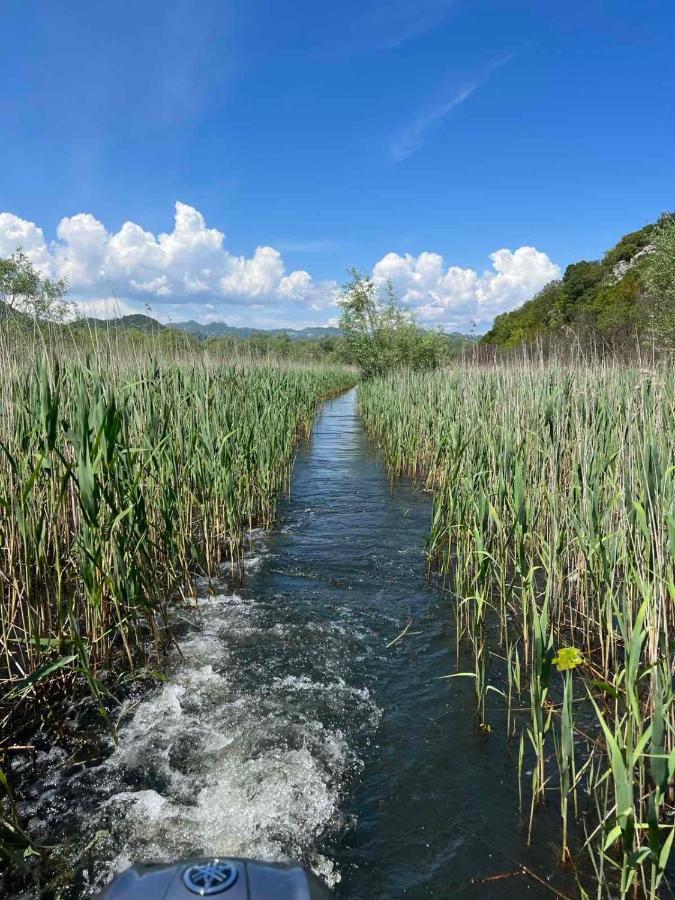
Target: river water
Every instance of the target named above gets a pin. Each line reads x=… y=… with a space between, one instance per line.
x=289 y=727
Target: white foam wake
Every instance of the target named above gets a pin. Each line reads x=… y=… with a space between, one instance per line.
x=232 y=755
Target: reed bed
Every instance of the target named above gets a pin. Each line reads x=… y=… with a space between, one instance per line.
x=122 y=476
x=554 y=528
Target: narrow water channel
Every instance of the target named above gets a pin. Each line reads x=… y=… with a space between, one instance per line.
x=289 y=727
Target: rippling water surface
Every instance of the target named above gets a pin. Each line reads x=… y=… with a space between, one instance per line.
x=289 y=728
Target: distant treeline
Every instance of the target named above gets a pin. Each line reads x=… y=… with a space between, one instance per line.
x=330 y=348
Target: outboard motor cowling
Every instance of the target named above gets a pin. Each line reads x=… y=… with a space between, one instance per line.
x=233 y=879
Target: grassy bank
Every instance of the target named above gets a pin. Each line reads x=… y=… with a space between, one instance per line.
x=554 y=525
x=122 y=475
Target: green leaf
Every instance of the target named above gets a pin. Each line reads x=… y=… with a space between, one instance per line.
x=665 y=850
x=44 y=671
x=612 y=837
x=606 y=687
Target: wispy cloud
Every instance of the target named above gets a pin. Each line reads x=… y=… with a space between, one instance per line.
x=392 y=24
x=388 y=24
x=410 y=138
x=413 y=136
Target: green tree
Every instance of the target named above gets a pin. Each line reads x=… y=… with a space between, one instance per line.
x=378 y=335
x=328 y=344
x=281 y=344
x=24 y=290
x=659 y=280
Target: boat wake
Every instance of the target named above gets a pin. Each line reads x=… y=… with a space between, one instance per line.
x=246 y=749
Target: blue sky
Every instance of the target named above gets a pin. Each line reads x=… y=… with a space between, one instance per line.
x=466 y=149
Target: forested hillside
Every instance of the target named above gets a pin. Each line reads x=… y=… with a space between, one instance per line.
x=628 y=293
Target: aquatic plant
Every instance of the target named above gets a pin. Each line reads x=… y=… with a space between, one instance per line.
x=122 y=476
x=554 y=503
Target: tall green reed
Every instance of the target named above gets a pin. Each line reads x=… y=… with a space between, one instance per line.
x=121 y=477
x=554 y=502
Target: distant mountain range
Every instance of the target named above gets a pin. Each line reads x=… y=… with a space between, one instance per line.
x=142 y=322
x=137 y=321
x=221 y=329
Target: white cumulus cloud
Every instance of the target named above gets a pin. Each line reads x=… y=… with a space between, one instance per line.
x=189 y=273
x=455 y=297
x=190 y=263
x=16 y=232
